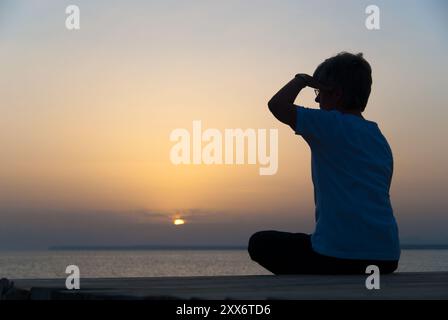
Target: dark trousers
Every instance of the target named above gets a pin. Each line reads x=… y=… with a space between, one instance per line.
x=292 y=253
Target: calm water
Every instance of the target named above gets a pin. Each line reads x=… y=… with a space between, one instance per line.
x=155 y=263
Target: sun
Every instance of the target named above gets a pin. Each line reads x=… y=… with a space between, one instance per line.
x=178 y=221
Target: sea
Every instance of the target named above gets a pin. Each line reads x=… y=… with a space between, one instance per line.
x=162 y=263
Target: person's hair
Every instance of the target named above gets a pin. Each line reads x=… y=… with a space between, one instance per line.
x=350 y=73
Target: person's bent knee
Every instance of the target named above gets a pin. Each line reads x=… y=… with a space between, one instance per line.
x=255 y=245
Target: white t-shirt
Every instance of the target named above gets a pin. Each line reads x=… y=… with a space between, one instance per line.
x=352 y=165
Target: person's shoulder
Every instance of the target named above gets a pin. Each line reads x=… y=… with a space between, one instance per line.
x=358 y=122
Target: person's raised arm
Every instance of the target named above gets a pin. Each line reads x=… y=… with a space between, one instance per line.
x=282 y=103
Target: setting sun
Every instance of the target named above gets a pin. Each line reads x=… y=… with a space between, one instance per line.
x=178 y=221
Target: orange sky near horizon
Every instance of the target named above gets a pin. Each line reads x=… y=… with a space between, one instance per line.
x=86 y=115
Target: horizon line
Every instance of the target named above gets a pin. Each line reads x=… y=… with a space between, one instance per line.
x=202 y=247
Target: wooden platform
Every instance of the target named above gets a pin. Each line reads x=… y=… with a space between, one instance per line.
x=395 y=286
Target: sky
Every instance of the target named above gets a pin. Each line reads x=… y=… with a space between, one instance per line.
x=86 y=116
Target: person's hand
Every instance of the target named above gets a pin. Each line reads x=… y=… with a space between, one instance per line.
x=311 y=82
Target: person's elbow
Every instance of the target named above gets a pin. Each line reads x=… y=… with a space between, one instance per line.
x=277 y=108
x=273 y=106
x=282 y=112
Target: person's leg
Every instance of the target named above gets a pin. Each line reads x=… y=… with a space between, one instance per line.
x=292 y=253
x=281 y=252
x=332 y=265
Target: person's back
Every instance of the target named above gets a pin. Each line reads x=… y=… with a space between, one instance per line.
x=352 y=170
x=352 y=167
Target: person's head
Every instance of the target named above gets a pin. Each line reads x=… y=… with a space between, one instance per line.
x=349 y=78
